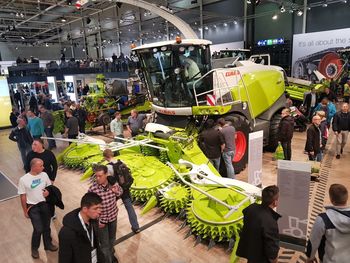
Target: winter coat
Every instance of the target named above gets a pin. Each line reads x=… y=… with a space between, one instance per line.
x=54 y=197
x=313 y=139
x=330 y=235
x=259 y=239
x=330 y=112
x=21 y=136
x=285 y=129
x=74 y=244
x=341 y=122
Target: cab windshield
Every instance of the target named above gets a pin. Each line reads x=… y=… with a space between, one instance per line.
x=170 y=72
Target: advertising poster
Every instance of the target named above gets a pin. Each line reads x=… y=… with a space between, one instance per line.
x=71 y=89
x=5 y=103
x=294 y=182
x=51 y=82
x=324 y=51
x=255 y=155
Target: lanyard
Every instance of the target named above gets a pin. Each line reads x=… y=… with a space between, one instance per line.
x=90 y=237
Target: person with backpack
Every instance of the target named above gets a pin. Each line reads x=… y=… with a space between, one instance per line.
x=328 y=107
x=108 y=219
x=330 y=233
x=323 y=128
x=120 y=173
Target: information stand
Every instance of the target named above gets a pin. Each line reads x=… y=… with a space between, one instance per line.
x=255 y=155
x=294 y=183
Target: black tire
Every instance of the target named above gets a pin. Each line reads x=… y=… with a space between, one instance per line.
x=104 y=119
x=273 y=134
x=241 y=125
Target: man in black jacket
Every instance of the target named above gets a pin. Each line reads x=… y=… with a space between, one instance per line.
x=24 y=140
x=314 y=140
x=212 y=143
x=78 y=238
x=311 y=100
x=259 y=239
x=285 y=133
x=341 y=128
x=81 y=115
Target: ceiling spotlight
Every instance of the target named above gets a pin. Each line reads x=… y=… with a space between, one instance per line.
x=47 y=44
x=63 y=20
x=225 y=24
x=235 y=22
x=83 y=49
x=21 y=15
x=291 y=11
x=274 y=17
x=206 y=28
x=324 y=4
x=23 y=38
x=282 y=9
x=309 y=8
x=299 y=13
x=16 y=48
x=345 y=1
x=214 y=26
x=249 y=1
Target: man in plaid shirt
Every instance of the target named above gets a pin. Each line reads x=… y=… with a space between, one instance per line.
x=108 y=218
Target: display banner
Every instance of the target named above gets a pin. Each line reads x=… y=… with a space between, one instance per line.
x=293 y=180
x=321 y=51
x=5 y=103
x=71 y=88
x=255 y=154
x=51 y=82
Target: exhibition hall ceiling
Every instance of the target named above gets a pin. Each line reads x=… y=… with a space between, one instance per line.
x=44 y=22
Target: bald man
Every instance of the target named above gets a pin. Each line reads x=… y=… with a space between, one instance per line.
x=31 y=189
x=313 y=140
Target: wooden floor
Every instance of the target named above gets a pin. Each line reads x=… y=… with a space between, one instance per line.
x=160 y=242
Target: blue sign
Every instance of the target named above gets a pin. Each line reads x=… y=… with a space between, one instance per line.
x=270 y=42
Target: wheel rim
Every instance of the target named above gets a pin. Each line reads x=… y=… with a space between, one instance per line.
x=241 y=146
x=330 y=65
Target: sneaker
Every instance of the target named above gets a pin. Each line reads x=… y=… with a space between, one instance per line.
x=35 y=253
x=338 y=156
x=136 y=231
x=52 y=248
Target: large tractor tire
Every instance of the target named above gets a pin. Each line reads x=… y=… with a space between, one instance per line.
x=242 y=127
x=273 y=134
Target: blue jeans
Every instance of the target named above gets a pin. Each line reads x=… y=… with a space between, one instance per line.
x=40 y=216
x=131 y=213
x=24 y=151
x=106 y=237
x=215 y=163
x=48 y=132
x=228 y=157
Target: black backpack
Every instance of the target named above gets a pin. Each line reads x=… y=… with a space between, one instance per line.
x=122 y=175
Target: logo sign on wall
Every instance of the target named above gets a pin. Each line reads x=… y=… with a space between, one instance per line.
x=322 y=51
x=270 y=42
x=51 y=82
x=294 y=182
x=71 y=88
x=255 y=155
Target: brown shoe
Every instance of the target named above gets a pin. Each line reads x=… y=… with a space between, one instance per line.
x=52 y=248
x=35 y=253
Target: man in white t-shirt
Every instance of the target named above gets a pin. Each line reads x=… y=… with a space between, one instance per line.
x=32 y=190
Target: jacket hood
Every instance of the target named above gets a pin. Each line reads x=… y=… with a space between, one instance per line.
x=340 y=217
x=288 y=118
x=71 y=220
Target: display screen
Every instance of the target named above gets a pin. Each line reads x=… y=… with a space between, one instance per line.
x=5 y=103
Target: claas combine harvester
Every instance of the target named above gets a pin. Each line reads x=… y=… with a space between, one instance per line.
x=168 y=167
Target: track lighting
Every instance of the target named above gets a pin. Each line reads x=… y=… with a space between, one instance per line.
x=282 y=9
x=300 y=13
x=274 y=17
